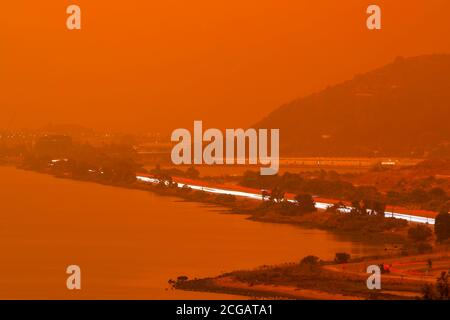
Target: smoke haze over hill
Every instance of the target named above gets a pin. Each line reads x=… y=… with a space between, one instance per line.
x=399 y=109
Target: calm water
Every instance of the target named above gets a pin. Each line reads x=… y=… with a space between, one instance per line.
x=129 y=243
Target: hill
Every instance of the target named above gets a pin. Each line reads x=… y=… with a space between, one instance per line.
x=400 y=109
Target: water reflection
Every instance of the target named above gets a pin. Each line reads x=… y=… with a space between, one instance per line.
x=129 y=243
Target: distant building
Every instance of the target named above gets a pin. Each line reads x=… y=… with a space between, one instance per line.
x=53 y=146
x=388 y=163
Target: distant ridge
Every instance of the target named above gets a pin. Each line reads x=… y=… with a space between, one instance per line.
x=69 y=129
x=400 y=109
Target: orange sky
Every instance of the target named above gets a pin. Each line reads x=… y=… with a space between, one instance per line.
x=141 y=65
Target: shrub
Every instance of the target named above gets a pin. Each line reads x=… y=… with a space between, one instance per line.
x=442 y=226
x=424 y=247
x=182 y=278
x=185 y=189
x=443 y=285
x=429 y=292
x=342 y=257
x=192 y=173
x=419 y=232
x=440 y=291
x=226 y=198
x=305 y=203
x=310 y=262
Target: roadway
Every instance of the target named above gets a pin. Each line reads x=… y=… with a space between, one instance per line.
x=257 y=195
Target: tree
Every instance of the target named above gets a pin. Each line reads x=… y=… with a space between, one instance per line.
x=439 y=291
x=157 y=170
x=264 y=195
x=342 y=257
x=442 y=286
x=310 y=262
x=419 y=196
x=276 y=195
x=438 y=193
x=419 y=232
x=442 y=226
x=305 y=203
x=359 y=207
x=429 y=292
x=226 y=198
x=378 y=208
x=192 y=173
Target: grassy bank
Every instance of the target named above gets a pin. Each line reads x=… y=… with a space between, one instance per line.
x=407 y=278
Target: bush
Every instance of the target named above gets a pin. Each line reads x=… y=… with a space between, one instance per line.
x=419 y=232
x=226 y=198
x=198 y=195
x=364 y=224
x=440 y=291
x=442 y=226
x=310 y=262
x=185 y=189
x=342 y=257
x=424 y=247
x=305 y=203
x=429 y=292
x=182 y=278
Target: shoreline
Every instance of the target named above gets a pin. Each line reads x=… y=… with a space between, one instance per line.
x=327 y=281
x=228 y=285
x=247 y=207
x=225 y=283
